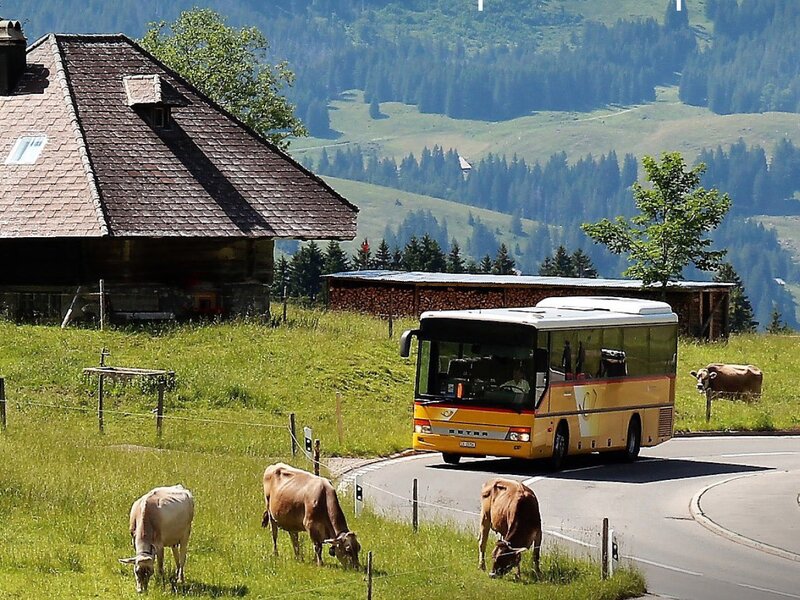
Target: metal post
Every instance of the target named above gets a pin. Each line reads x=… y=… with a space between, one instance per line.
x=102 y=303
x=316 y=457
x=3 y=402
x=358 y=495
x=100 y=402
x=160 y=407
x=293 y=433
x=369 y=575
x=604 y=550
x=414 y=508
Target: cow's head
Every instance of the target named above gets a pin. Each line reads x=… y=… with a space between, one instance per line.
x=504 y=558
x=345 y=547
x=703 y=377
x=142 y=569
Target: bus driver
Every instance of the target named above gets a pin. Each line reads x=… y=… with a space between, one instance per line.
x=518 y=383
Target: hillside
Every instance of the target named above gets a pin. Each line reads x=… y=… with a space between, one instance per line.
x=664 y=125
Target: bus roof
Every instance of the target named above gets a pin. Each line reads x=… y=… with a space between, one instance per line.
x=570 y=312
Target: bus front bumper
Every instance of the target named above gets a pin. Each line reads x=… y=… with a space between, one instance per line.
x=452 y=444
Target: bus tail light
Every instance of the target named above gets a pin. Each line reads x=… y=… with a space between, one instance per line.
x=519 y=434
x=459 y=390
x=422 y=426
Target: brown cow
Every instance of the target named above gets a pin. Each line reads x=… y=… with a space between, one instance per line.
x=512 y=510
x=743 y=380
x=299 y=501
x=161 y=518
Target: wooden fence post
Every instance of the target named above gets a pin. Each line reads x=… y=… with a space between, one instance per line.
x=369 y=575
x=100 y=402
x=293 y=433
x=316 y=457
x=391 y=326
x=3 y=402
x=604 y=550
x=160 y=407
x=708 y=405
x=284 y=303
x=102 y=303
x=414 y=508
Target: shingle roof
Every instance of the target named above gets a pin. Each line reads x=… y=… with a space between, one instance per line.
x=106 y=171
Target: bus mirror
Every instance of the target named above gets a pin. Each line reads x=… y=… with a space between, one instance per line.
x=405 y=342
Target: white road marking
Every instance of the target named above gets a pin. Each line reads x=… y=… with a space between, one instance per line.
x=569 y=539
x=768 y=591
x=788 y=453
x=662 y=565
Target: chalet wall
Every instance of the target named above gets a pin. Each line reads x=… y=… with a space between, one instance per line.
x=186 y=277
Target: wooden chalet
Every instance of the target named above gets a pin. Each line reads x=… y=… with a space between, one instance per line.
x=116 y=168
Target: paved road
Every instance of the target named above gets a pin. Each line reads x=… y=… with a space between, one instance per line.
x=704 y=518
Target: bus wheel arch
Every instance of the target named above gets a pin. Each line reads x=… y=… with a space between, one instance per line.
x=451 y=458
x=633 y=441
x=560 y=445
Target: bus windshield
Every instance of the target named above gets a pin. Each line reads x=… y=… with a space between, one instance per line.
x=480 y=374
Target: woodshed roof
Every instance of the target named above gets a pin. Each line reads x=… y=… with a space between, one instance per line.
x=478 y=280
x=104 y=168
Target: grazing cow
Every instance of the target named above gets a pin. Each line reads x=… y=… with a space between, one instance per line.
x=161 y=518
x=299 y=501
x=512 y=510
x=730 y=379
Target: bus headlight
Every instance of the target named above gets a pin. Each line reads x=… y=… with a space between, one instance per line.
x=423 y=426
x=519 y=434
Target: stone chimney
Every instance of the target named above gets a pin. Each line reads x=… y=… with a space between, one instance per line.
x=12 y=55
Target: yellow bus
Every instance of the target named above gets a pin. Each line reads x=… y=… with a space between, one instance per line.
x=571 y=375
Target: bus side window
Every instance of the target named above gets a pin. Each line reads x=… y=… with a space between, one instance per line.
x=612 y=363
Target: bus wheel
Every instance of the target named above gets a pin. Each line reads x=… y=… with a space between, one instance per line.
x=634 y=441
x=451 y=459
x=560 y=447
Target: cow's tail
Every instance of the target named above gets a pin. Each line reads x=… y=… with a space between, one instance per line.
x=265 y=519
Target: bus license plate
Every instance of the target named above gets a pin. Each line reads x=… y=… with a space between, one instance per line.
x=467 y=444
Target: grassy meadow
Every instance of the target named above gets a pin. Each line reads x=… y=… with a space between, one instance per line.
x=66 y=489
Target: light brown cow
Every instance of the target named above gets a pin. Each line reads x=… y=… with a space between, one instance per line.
x=740 y=380
x=161 y=518
x=511 y=509
x=299 y=501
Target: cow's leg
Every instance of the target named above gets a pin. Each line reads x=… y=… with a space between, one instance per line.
x=318 y=552
x=295 y=543
x=160 y=561
x=484 y=535
x=176 y=554
x=537 y=546
x=274 y=526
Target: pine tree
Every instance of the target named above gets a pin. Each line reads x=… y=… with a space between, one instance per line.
x=412 y=255
x=306 y=271
x=582 y=265
x=516 y=223
x=503 y=263
x=362 y=260
x=280 y=277
x=455 y=264
x=397 y=259
x=374 y=109
x=485 y=265
x=431 y=256
x=335 y=259
x=559 y=265
x=383 y=257
x=472 y=267
x=740 y=312
x=776 y=324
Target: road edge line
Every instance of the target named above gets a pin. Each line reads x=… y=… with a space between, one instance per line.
x=700 y=517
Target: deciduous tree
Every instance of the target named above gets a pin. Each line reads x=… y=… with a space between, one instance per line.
x=668 y=233
x=231 y=67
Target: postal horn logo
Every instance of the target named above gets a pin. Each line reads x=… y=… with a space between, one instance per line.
x=447 y=413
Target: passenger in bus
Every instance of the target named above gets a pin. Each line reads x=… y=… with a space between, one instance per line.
x=518 y=382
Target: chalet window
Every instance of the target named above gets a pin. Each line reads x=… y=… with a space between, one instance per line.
x=26 y=150
x=162 y=117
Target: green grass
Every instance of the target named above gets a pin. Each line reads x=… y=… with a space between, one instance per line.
x=65 y=489
x=380 y=206
x=664 y=125
x=779 y=406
